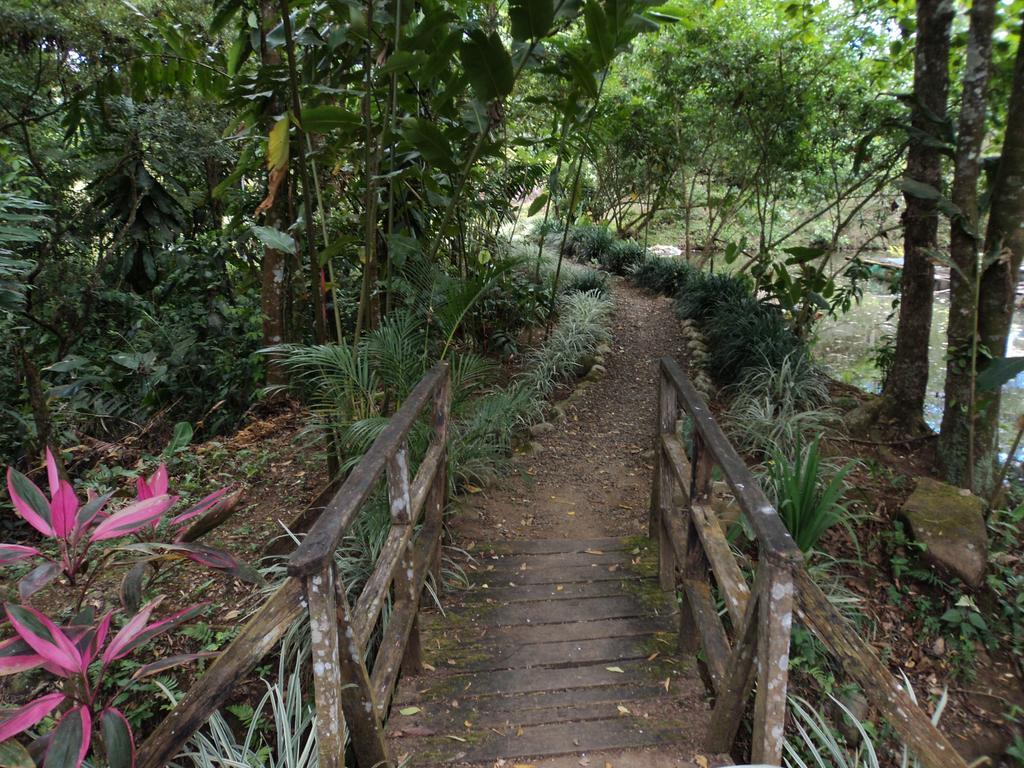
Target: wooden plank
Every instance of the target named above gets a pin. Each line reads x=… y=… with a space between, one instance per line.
x=568 y=575
x=560 y=560
x=731 y=584
x=325 y=662
x=664 y=424
x=492 y=657
x=375 y=591
x=860 y=662
x=388 y=663
x=547 y=633
x=775 y=607
x=323 y=538
x=445 y=720
x=678 y=463
x=558 y=546
x=714 y=641
x=732 y=696
x=258 y=638
x=356 y=694
x=502 y=707
x=556 y=612
x=564 y=739
x=522 y=593
x=770 y=530
x=513 y=681
x=424 y=480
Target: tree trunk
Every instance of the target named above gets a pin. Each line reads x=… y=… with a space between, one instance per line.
x=274 y=280
x=956 y=436
x=902 y=403
x=1003 y=252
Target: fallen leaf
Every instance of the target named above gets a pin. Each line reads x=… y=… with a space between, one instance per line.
x=472 y=488
x=519 y=731
x=467 y=723
x=593 y=551
x=559 y=588
x=429 y=667
x=615 y=669
x=701 y=761
x=654 y=655
x=622 y=710
x=668 y=682
x=571 y=513
x=454 y=738
x=407 y=711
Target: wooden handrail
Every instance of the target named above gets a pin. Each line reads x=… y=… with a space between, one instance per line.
x=347 y=692
x=323 y=538
x=695 y=556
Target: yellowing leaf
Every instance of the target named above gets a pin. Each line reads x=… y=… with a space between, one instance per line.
x=455 y=738
x=407 y=711
x=277 y=145
x=622 y=710
x=593 y=551
x=615 y=669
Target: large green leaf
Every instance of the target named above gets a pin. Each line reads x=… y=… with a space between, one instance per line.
x=582 y=75
x=488 y=65
x=274 y=239
x=531 y=19
x=999 y=371
x=429 y=141
x=602 y=41
x=327 y=118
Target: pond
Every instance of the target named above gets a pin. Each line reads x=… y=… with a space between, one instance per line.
x=846 y=346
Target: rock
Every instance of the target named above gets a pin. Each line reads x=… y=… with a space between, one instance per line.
x=597 y=372
x=856 y=705
x=952 y=528
x=538 y=430
x=557 y=413
x=598 y=359
x=532 y=449
x=665 y=251
x=602 y=349
x=938 y=648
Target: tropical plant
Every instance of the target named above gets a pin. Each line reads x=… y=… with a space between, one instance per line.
x=808 y=502
x=622 y=257
x=92 y=720
x=590 y=242
x=664 y=276
x=75 y=528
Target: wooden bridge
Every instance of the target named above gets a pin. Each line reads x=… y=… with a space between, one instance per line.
x=558 y=648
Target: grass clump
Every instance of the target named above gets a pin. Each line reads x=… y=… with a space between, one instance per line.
x=590 y=242
x=666 y=277
x=622 y=257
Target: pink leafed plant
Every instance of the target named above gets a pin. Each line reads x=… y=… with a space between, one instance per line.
x=89 y=717
x=75 y=528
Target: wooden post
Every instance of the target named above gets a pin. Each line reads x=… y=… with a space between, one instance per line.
x=732 y=698
x=664 y=422
x=357 y=694
x=437 y=499
x=323 y=624
x=404 y=583
x=775 y=601
x=696 y=566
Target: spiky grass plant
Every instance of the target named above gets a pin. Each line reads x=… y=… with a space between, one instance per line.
x=808 y=498
x=589 y=242
x=622 y=257
x=707 y=291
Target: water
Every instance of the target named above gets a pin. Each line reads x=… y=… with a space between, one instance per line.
x=846 y=344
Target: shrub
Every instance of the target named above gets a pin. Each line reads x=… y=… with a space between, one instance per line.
x=663 y=276
x=707 y=291
x=589 y=242
x=622 y=257
x=807 y=504
x=744 y=334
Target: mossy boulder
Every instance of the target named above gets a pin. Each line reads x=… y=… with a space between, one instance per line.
x=950 y=522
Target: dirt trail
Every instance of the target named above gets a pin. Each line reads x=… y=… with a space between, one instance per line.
x=591 y=475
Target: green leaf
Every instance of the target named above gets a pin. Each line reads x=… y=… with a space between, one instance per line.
x=327 y=118
x=274 y=239
x=537 y=204
x=117 y=738
x=602 y=43
x=802 y=254
x=182 y=437
x=531 y=19
x=488 y=65
x=998 y=371
x=14 y=755
x=919 y=189
x=582 y=75
x=408 y=711
x=429 y=141
x=68 y=737
x=403 y=61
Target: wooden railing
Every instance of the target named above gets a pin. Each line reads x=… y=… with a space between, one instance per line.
x=347 y=690
x=696 y=559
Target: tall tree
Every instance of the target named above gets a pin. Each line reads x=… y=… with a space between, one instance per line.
x=902 y=403
x=957 y=432
x=1002 y=253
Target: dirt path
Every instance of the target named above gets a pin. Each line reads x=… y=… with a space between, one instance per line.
x=591 y=475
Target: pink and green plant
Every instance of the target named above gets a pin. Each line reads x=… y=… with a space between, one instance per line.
x=75 y=528
x=80 y=656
